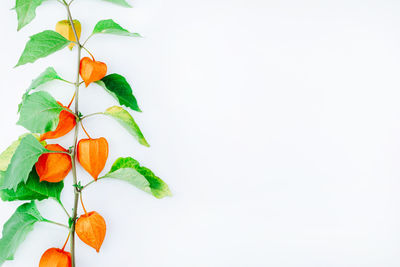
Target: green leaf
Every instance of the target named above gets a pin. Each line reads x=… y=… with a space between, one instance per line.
x=33 y=189
x=25 y=156
x=41 y=45
x=120 y=89
x=126 y=120
x=119 y=2
x=131 y=176
x=17 y=228
x=48 y=75
x=129 y=170
x=39 y=113
x=111 y=27
x=26 y=11
x=5 y=157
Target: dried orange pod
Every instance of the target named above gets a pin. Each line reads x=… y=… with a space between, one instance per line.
x=92 y=155
x=64 y=28
x=53 y=167
x=91 y=229
x=91 y=70
x=55 y=257
x=66 y=123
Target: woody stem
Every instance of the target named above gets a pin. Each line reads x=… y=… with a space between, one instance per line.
x=73 y=154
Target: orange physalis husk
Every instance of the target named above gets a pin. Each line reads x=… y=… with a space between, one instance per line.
x=92 y=155
x=67 y=122
x=53 y=167
x=92 y=70
x=55 y=257
x=91 y=229
x=64 y=28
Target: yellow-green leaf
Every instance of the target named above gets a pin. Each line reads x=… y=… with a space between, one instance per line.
x=127 y=121
x=129 y=170
x=6 y=155
x=26 y=155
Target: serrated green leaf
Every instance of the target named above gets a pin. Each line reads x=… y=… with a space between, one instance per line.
x=126 y=120
x=129 y=170
x=41 y=45
x=119 y=2
x=46 y=76
x=39 y=113
x=22 y=161
x=17 y=228
x=33 y=189
x=111 y=27
x=26 y=11
x=120 y=89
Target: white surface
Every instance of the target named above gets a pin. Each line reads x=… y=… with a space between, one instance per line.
x=275 y=123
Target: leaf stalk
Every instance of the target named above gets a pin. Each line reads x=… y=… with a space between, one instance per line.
x=56 y=223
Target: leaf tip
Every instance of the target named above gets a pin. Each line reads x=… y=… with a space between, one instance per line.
x=144 y=142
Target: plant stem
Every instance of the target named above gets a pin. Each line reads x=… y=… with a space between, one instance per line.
x=73 y=154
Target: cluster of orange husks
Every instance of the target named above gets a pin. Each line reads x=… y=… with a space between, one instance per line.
x=91 y=153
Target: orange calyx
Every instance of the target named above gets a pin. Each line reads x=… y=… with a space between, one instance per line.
x=67 y=122
x=64 y=28
x=53 y=167
x=92 y=154
x=91 y=229
x=92 y=70
x=55 y=257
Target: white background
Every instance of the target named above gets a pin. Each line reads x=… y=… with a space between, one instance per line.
x=275 y=123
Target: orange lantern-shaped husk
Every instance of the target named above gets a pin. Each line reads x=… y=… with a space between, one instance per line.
x=55 y=257
x=91 y=229
x=67 y=122
x=53 y=167
x=64 y=28
x=92 y=70
x=92 y=155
